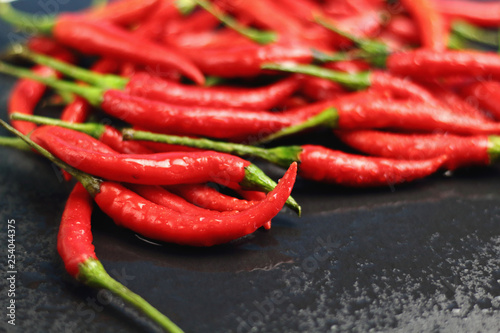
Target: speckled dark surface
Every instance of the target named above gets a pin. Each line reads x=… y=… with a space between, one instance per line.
x=418 y=258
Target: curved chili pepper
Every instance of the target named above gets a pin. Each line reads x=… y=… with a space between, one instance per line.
x=426 y=63
x=124 y=13
x=25 y=96
x=130 y=210
x=160 y=196
x=101 y=38
x=246 y=61
x=483 y=94
x=74 y=244
x=208 y=197
x=92 y=156
x=460 y=150
x=429 y=21
x=486 y=14
x=319 y=163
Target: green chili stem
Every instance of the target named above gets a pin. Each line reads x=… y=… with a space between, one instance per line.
x=93 y=129
x=92 y=273
x=475 y=34
x=282 y=156
x=355 y=81
x=494 y=148
x=258 y=36
x=14 y=143
x=42 y=24
x=256 y=179
x=91 y=183
x=105 y=81
x=328 y=117
x=92 y=94
x=185 y=7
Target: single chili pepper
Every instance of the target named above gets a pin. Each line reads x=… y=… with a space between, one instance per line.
x=49 y=47
x=74 y=244
x=131 y=211
x=205 y=196
x=319 y=163
x=246 y=61
x=163 y=197
x=375 y=80
x=92 y=156
x=319 y=89
x=25 y=96
x=101 y=38
x=460 y=151
x=156 y=88
x=123 y=13
x=429 y=22
x=483 y=94
x=455 y=102
x=427 y=63
x=486 y=14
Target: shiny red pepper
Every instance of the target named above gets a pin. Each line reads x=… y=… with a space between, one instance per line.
x=460 y=151
x=484 y=95
x=429 y=22
x=482 y=13
x=130 y=210
x=325 y=165
x=124 y=12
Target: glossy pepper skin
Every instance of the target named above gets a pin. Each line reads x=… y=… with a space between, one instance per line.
x=209 y=198
x=25 y=96
x=486 y=14
x=147 y=169
x=207 y=121
x=123 y=13
x=460 y=151
x=74 y=240
x=429 y=22
x=330 y=166
x=130 y=210
x=260 y=98
x=98 y=38
x=247 y=61
x=423 y=63
x=483 y=94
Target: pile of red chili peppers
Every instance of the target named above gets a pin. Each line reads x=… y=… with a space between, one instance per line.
x=191 y=87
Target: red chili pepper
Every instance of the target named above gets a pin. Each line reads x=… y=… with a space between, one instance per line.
x=483 y=94
x=74 y=244
x=153 y=26
x=47 y=46
x=246 y=61
x=325 y=165
x=163 y=197
x=208 y=197
x=25 y=96
x=456 y=103
x=104 y=39
x=430 y=23
x=486 y=14
x=260 y=98
x=124 y=12
x=92 y=156
x=460 y=151
x=130 y=210
x=427 y=63
x=212 y=39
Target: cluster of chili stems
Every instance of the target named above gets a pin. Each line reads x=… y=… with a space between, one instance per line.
x=398 y=82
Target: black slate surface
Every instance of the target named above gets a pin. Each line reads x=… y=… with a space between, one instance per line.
x=417 y=258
